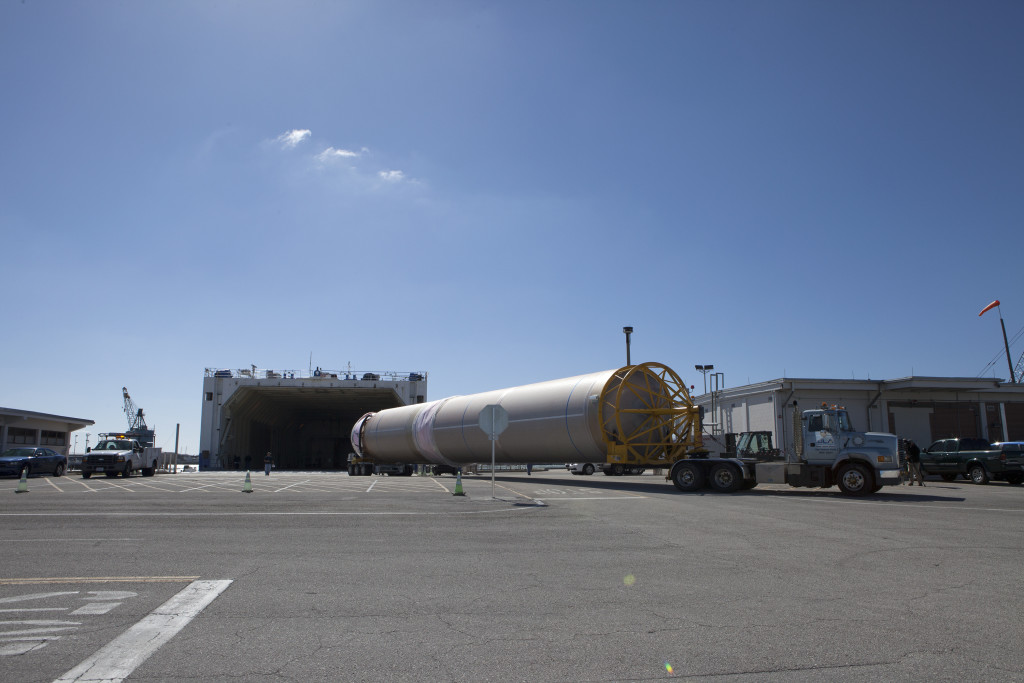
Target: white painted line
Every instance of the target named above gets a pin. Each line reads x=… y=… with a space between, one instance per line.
x=372 y=485
x=63 y=540
x=96 y=607
x=291 y=485
x=120 y=657
x=567 y=499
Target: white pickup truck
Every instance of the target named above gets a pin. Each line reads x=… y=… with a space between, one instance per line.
x=114 y=456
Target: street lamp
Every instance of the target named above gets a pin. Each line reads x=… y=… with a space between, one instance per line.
x=704 y=370
x=628 y=331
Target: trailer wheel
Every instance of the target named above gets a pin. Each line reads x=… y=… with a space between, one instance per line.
x=854 y=480
x=687 y=477
x=724 y=478
x=588 y=469
x=978 y=474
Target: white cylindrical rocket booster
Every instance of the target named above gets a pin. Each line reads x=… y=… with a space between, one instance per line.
x=641 y=413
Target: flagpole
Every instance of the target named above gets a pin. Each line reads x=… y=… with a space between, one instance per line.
x=1006 y=344
x=1009 y=363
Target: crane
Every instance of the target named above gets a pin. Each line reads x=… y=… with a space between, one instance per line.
x=137 y=428
x=1019 y=370
x=136 y=420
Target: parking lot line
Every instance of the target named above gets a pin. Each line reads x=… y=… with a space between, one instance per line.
x=43 y=580
x=291 y=485
x=120 y=657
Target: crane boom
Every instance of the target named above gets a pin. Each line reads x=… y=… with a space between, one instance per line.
x=136 y=420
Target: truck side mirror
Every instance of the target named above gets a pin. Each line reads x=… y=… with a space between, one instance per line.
x=88 y=449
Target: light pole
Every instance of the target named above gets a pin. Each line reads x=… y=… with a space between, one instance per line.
x=717 y=384
x=704 y=370
x=628 y=331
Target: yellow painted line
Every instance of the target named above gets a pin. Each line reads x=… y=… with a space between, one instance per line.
x=94 y=580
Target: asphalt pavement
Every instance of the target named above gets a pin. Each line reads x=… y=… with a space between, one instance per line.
x=554 y=577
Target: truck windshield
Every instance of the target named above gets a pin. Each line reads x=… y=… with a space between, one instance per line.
x=836 y=422
x=113 y=446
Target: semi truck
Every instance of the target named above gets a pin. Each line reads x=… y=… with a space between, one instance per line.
x=828 y=452
x=637 y=416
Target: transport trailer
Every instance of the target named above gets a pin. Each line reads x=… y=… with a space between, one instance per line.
x=633 y=417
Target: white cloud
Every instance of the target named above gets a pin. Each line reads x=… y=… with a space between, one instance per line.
x=292 y=138
x=332 y=153
x=392 y=176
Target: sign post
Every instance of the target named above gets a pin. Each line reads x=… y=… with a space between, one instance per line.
x=493 y=421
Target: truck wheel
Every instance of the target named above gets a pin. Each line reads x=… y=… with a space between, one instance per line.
x=127 y=471
x=86 y=475
x=978 y=474
x=948 y=476
x=617 y=470
x=724 y=478
x=687 y=477
x=855 y=480
x=588 y=469
x=1014 y=479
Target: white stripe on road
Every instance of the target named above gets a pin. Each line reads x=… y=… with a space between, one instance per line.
x=291 y=485
x=120 y=657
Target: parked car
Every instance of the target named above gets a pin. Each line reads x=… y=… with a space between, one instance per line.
x=36 y=459
x=974 y=459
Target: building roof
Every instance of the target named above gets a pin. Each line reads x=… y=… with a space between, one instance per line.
x=6 y=413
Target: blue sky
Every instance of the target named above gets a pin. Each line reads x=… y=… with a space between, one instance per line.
x=489 y=191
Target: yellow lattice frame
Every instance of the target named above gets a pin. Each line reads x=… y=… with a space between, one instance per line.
x=671 y=424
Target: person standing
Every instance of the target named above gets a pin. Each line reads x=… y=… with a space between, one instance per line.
x=268 y=462
x=914 y=458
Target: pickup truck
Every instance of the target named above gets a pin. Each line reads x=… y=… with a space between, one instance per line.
x=975 y=459
x=114 y=456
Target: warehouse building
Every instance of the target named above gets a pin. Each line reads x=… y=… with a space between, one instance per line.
x=303 y=419
x=924 y=409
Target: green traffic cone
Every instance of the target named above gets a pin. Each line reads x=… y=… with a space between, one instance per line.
x=458 y=484
x=248 y=483
x=23 y=484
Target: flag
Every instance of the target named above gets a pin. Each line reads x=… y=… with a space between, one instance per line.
x=989 y=308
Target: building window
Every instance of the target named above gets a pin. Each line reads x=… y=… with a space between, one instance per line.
x=20 y=435
x=209 y=395
x=47 y=438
